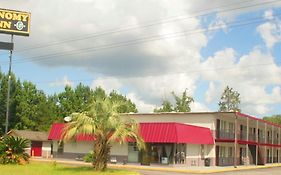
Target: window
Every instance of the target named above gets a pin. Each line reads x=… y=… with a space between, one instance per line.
x=132 y=146
x=223 y=125
x=222 y=151
x=230 y=152
x=231 y=127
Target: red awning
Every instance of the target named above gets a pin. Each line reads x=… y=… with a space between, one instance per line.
x=175 y=133
x=155 y=133
x=56 y=133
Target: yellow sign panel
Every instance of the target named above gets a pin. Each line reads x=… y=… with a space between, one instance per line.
x=14 y=22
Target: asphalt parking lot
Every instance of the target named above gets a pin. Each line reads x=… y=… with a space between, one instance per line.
x=265 y=171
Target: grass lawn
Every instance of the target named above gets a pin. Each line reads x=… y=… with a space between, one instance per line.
x=35 y=168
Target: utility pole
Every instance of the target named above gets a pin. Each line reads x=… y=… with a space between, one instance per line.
x=9 y=87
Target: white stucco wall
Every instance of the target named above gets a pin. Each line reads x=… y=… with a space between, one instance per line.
x=74 y=147
x=120 y=150
x=192 y=151
x=86 y=147
x=46 y=146
x=203 y=120
x=46 y=149
x=78 y=147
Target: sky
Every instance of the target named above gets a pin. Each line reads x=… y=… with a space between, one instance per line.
x=147 y=49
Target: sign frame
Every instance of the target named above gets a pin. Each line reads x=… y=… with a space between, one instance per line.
x=16 y=26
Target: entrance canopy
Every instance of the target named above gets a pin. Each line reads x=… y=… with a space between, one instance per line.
x=167 y=132
x=175 y=133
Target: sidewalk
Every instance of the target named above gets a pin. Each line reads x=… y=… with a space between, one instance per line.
x=166 y=168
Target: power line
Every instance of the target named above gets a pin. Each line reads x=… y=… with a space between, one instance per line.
x=175 y=73
x=142 y=40
x=149 y=24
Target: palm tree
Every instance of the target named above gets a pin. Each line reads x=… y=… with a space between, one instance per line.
x=106 y=125
x=12 y=150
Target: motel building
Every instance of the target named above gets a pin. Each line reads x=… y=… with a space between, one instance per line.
x=188 y=139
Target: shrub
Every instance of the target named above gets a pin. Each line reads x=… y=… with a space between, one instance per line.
x=12 y=150
x=89 y=157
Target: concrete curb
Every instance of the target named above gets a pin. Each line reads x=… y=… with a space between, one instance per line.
x=167 y=169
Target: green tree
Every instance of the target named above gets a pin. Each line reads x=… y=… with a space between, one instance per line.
x=66 y=102
x=273 y=119
x=126 y=104
x=105 y=124
x=33 y=108
x=230 y=100
x=15 y=86
x=182 y=103
x=99 y=93
x=166 y=107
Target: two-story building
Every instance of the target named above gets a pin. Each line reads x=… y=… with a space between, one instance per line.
x=194 y=138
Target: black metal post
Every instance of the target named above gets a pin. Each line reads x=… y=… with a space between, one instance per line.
x=9 y=87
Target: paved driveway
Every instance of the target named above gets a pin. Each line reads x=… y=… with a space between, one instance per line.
x=265 y=171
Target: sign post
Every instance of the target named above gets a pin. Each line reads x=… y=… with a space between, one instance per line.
x=9 y=87
x=14 y=23
x=6 y=46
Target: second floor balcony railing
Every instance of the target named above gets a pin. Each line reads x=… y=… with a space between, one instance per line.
x=243 y=136
x=261 y=139
x=269 y=140
x=221 y=134
x=252 y=137
x=275 y=141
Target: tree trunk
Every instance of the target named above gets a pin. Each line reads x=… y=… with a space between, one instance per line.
x=101 y=155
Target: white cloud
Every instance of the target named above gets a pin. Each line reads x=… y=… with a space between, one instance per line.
x=142 y=106
x=268 y=14
x=249 y=74
x=107 y=83
x=151 y=70
x=199 y=107
x=65 y=81
x=212 y=93
x=270 y=31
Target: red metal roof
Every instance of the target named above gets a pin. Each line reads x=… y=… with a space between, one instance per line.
x=56 y=133
x=175 y=133
x=255 y=118
x=156 y=133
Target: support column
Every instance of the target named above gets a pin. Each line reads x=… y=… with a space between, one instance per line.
x=278 y=145
x=272 y=139
x=235 y=142
x=257 y=141
x=247 y=145
x=9 y=89
x=265 y=140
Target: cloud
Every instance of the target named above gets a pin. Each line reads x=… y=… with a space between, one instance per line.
x=268 y=14
x=108 y=84
x=61 y=83
x=270 y=31
x=212 y=93
x=151 y=62
x=199 y=107
x=142 y=106
x=250 y=74
x=105 y=53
